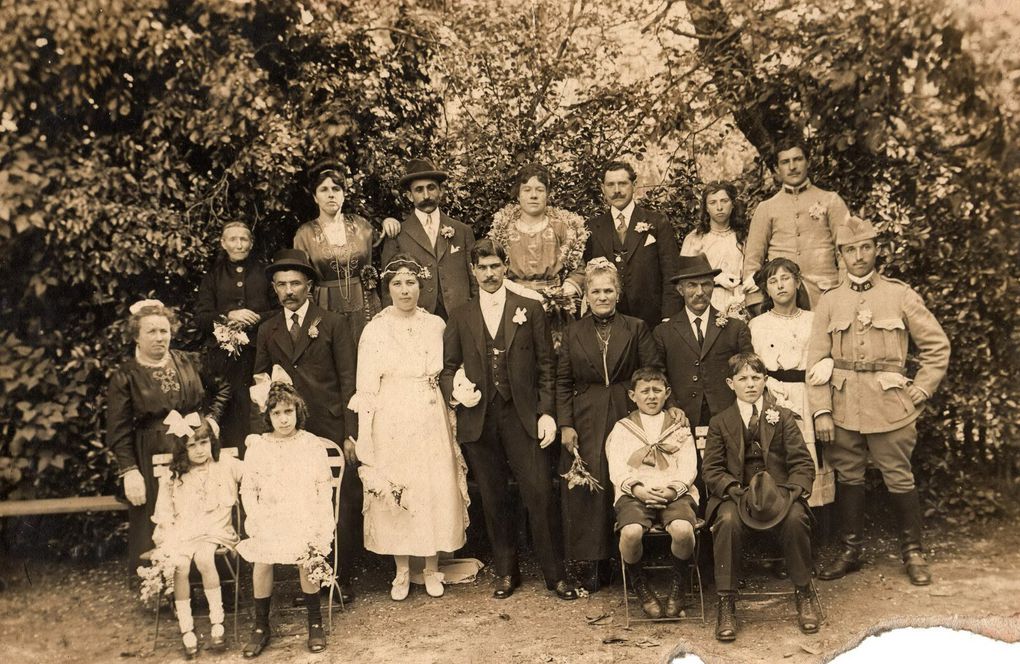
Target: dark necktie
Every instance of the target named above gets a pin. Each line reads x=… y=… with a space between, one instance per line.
x=295 y=328
x=621 y=227
x=697 y=326
x=752 y=424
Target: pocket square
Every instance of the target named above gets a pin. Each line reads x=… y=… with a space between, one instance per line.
x=454 y=249
x=649 y=240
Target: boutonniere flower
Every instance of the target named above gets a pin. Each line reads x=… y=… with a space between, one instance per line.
x=642 y=227
x=721 y=320
x=520 y=316
x=771 y=415
x=864 y=317
x=817 y=211
x=454 y=248
x=313 y=329
x=446 y=231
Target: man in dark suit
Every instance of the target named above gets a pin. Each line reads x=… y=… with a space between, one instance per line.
x=642 y=245
x=437 y=242
x=315 y=347
x=505 y=398
x=759 y=475
x=695 y=344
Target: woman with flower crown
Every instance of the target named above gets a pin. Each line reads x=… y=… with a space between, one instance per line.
x=340 y=247
x=412 y=470
x=544 y=245
x=141 y=393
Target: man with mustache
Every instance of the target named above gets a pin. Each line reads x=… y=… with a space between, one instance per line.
x=863 y=401
x=437 y=242
x=642 y=245
x=799 y=222
x=316 y=349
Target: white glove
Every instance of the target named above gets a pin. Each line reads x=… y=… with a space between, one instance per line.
x=749 y=285
x=727 y=281
x=464 y=391
x=820 y=373
x=546 y=430
x=134 y=487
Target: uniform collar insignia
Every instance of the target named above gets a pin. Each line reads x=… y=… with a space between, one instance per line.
x=862 y=286
x=800 y=189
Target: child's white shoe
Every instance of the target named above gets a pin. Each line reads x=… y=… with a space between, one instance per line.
x=401 y=586
x=216 y=638
x=433 y=583
x=190 y=644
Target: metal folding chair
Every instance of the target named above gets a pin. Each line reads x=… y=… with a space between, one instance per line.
x=336 y=466
x=231 y=559
x=694 y=577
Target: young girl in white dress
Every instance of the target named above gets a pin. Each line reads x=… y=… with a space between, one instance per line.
x=412 y=470
x=193 y=519
x=287 y=497
x=780 y=337
x=720 y=235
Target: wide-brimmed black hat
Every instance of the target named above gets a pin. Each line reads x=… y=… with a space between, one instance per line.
x=291 y=259
x=765 y=503
x=692 y=267
x=422 y=169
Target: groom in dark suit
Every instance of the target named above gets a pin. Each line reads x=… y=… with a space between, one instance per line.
x=505 y=400
x=642 y=245
x=316 y=348
x=436 y=241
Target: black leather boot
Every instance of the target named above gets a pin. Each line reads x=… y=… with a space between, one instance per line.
x=807 y=616
x=675 y=600
x=649 y=602
x=726 y=618
x=907 y=507
x=850 y=511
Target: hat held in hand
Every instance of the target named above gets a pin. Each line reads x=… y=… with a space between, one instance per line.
x=765 y=503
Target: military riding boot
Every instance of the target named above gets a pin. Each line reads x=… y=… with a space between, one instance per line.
x=850 y=511
x=649 y=602
x=907 y=507
x=675 y=598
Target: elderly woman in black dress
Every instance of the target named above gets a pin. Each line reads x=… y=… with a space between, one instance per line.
x=142 y=392
x=595 y=362
x=234 y=297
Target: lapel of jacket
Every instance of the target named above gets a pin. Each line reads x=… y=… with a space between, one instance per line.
x=442 y=244
x=734 y=434
x=618 y=342
x=768 y=431
x=476 y=323
x=633 y=239
x=583 y=334
x=513 y=301
x=712 y=331
x=416 y=232
x=279 y=333
x=602 y=228
x=313 y=315
x=682 y=324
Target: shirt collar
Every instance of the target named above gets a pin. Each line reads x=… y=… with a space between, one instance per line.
x=487 y=299
x=799 y=189
x=301 y=313
x=627 y=212
x=704 y=316
x=424 y=218
x=861 y=280
x=745 y=408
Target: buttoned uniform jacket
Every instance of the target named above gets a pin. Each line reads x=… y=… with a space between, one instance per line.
x=321 y=362
x=449 y=262
x=699 y=373
x=529 y=362
x=866 y=330
x=783 y=227
x=646 y=263
x=786 y=456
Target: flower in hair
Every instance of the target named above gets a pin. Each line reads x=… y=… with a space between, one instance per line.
x=413 y=267
x=142 y=304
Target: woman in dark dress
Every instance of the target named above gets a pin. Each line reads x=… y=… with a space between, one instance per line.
x=235 y=292
x=142 y=391
x=595 y=362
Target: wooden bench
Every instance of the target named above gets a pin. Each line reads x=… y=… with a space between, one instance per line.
x=61 y=506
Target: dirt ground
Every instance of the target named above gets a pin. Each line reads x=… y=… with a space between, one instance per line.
x=63 y=612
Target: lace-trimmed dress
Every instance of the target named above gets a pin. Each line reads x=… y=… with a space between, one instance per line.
x=405 y=441
x=782 y=344
x=723 y=253
x=288 y=498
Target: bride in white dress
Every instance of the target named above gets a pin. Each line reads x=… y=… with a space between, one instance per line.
x=412 y=469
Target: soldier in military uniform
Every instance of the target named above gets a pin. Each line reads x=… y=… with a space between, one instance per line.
x=868 y=404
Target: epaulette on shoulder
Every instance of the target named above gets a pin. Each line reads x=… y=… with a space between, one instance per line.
x=893 y=280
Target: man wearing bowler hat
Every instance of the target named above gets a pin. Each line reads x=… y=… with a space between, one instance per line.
x=437 y=242
x=758 y=473
x=315 y=347
x=695 y=344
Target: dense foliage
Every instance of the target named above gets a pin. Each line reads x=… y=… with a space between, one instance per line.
x=130 y=131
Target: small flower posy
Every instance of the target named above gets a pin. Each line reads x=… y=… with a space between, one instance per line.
x=817 y=211
x=771 y=415
x=520 y=316
x=158 y=577
x=578 y=475
x=369 y=277
x=313 y=329
x=642 y=227
x=230 y=336
x=864 y=317
x=721 y=320
x=446 y=231
x=314 y=563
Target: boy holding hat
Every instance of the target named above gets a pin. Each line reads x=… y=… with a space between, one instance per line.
x=861 y=397
x=437 y=242
x=758 y=473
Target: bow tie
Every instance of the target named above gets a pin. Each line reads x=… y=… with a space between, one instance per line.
x=653 y=455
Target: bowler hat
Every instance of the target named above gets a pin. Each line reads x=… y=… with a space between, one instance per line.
x=855 y=229
x=291 y=259
x=765 y=503
x=692 y=267
x=421 y=169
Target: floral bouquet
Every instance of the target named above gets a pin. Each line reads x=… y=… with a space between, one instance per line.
x=314 y=563
x=158 y=577
x=230 y=336
x=578 y=475
x=381 y=488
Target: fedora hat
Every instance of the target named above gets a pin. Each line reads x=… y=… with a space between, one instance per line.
x=692 y=267
x=291 y=259
x=421 y=169
x=765 y=503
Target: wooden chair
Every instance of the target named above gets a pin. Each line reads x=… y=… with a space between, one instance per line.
x=228 y=555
